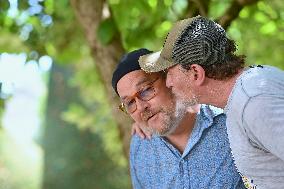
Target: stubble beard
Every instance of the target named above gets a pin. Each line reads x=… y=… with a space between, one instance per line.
x=173 y=117
x=187 y=102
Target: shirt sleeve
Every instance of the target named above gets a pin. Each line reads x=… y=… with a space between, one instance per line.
x=263 y=117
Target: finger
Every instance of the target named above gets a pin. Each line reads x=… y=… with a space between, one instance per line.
x=148 y=134
x=140 y=133
x=133 y=130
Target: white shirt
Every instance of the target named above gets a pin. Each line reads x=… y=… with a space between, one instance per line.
x=255 y=125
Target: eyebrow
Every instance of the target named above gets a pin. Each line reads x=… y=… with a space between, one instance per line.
x=144 y=80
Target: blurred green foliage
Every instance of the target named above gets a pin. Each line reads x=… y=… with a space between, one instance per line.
x=145 y=23
x=259 y=33
x=77 y=156
x=106 y=31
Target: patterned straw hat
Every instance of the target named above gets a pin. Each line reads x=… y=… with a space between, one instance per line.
x=196 y=40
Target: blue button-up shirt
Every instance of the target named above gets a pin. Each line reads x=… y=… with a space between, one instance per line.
x=205 y=163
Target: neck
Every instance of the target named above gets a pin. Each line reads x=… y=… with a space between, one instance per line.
x=181 y=135
x=218 y=91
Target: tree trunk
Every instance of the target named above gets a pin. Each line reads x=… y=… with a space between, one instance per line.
x=89 y=14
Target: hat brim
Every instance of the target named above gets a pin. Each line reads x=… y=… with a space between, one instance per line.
x=154 y=62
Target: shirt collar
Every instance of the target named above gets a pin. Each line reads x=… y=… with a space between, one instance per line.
x=204 y=120
x=209 y=113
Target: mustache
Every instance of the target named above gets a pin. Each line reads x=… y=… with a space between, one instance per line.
x=147 y=114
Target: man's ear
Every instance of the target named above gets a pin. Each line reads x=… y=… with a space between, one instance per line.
x=198 y=74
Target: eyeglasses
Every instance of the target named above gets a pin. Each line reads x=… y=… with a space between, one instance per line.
x=145 y=94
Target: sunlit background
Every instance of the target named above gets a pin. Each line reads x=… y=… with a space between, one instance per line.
x=24 y=87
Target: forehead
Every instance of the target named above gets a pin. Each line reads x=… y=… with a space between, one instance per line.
x=174 y=68
x=132 y=82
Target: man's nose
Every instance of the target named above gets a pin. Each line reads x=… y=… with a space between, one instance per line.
x=169 y=80
x=141 y=105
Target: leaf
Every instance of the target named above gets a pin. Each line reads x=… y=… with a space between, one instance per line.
x=268 y=28
x=106 y=31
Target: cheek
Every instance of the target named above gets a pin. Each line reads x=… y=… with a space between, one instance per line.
x=177 y=78
x=165 y=100
x=179 y=82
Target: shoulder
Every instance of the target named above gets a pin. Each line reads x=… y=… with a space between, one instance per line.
x=260 y=79
x=135 y=142
x=142 y=145
x=272 y=107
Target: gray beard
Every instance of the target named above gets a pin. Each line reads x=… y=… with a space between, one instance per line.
x=174 y=119
x=186 y=102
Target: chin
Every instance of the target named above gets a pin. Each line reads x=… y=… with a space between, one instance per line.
x=155 y=127
x=162 y=130
x=166 y=133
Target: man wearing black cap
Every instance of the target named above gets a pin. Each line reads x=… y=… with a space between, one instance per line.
x=202 y=67
x=187 y=150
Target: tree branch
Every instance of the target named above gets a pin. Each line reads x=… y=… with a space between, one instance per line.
x=196 y=7
x=203 y=6
x=191 y=10
x=233 y=12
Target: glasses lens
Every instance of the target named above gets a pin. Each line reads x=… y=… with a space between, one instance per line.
x=147 y=93
x=131 y=107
